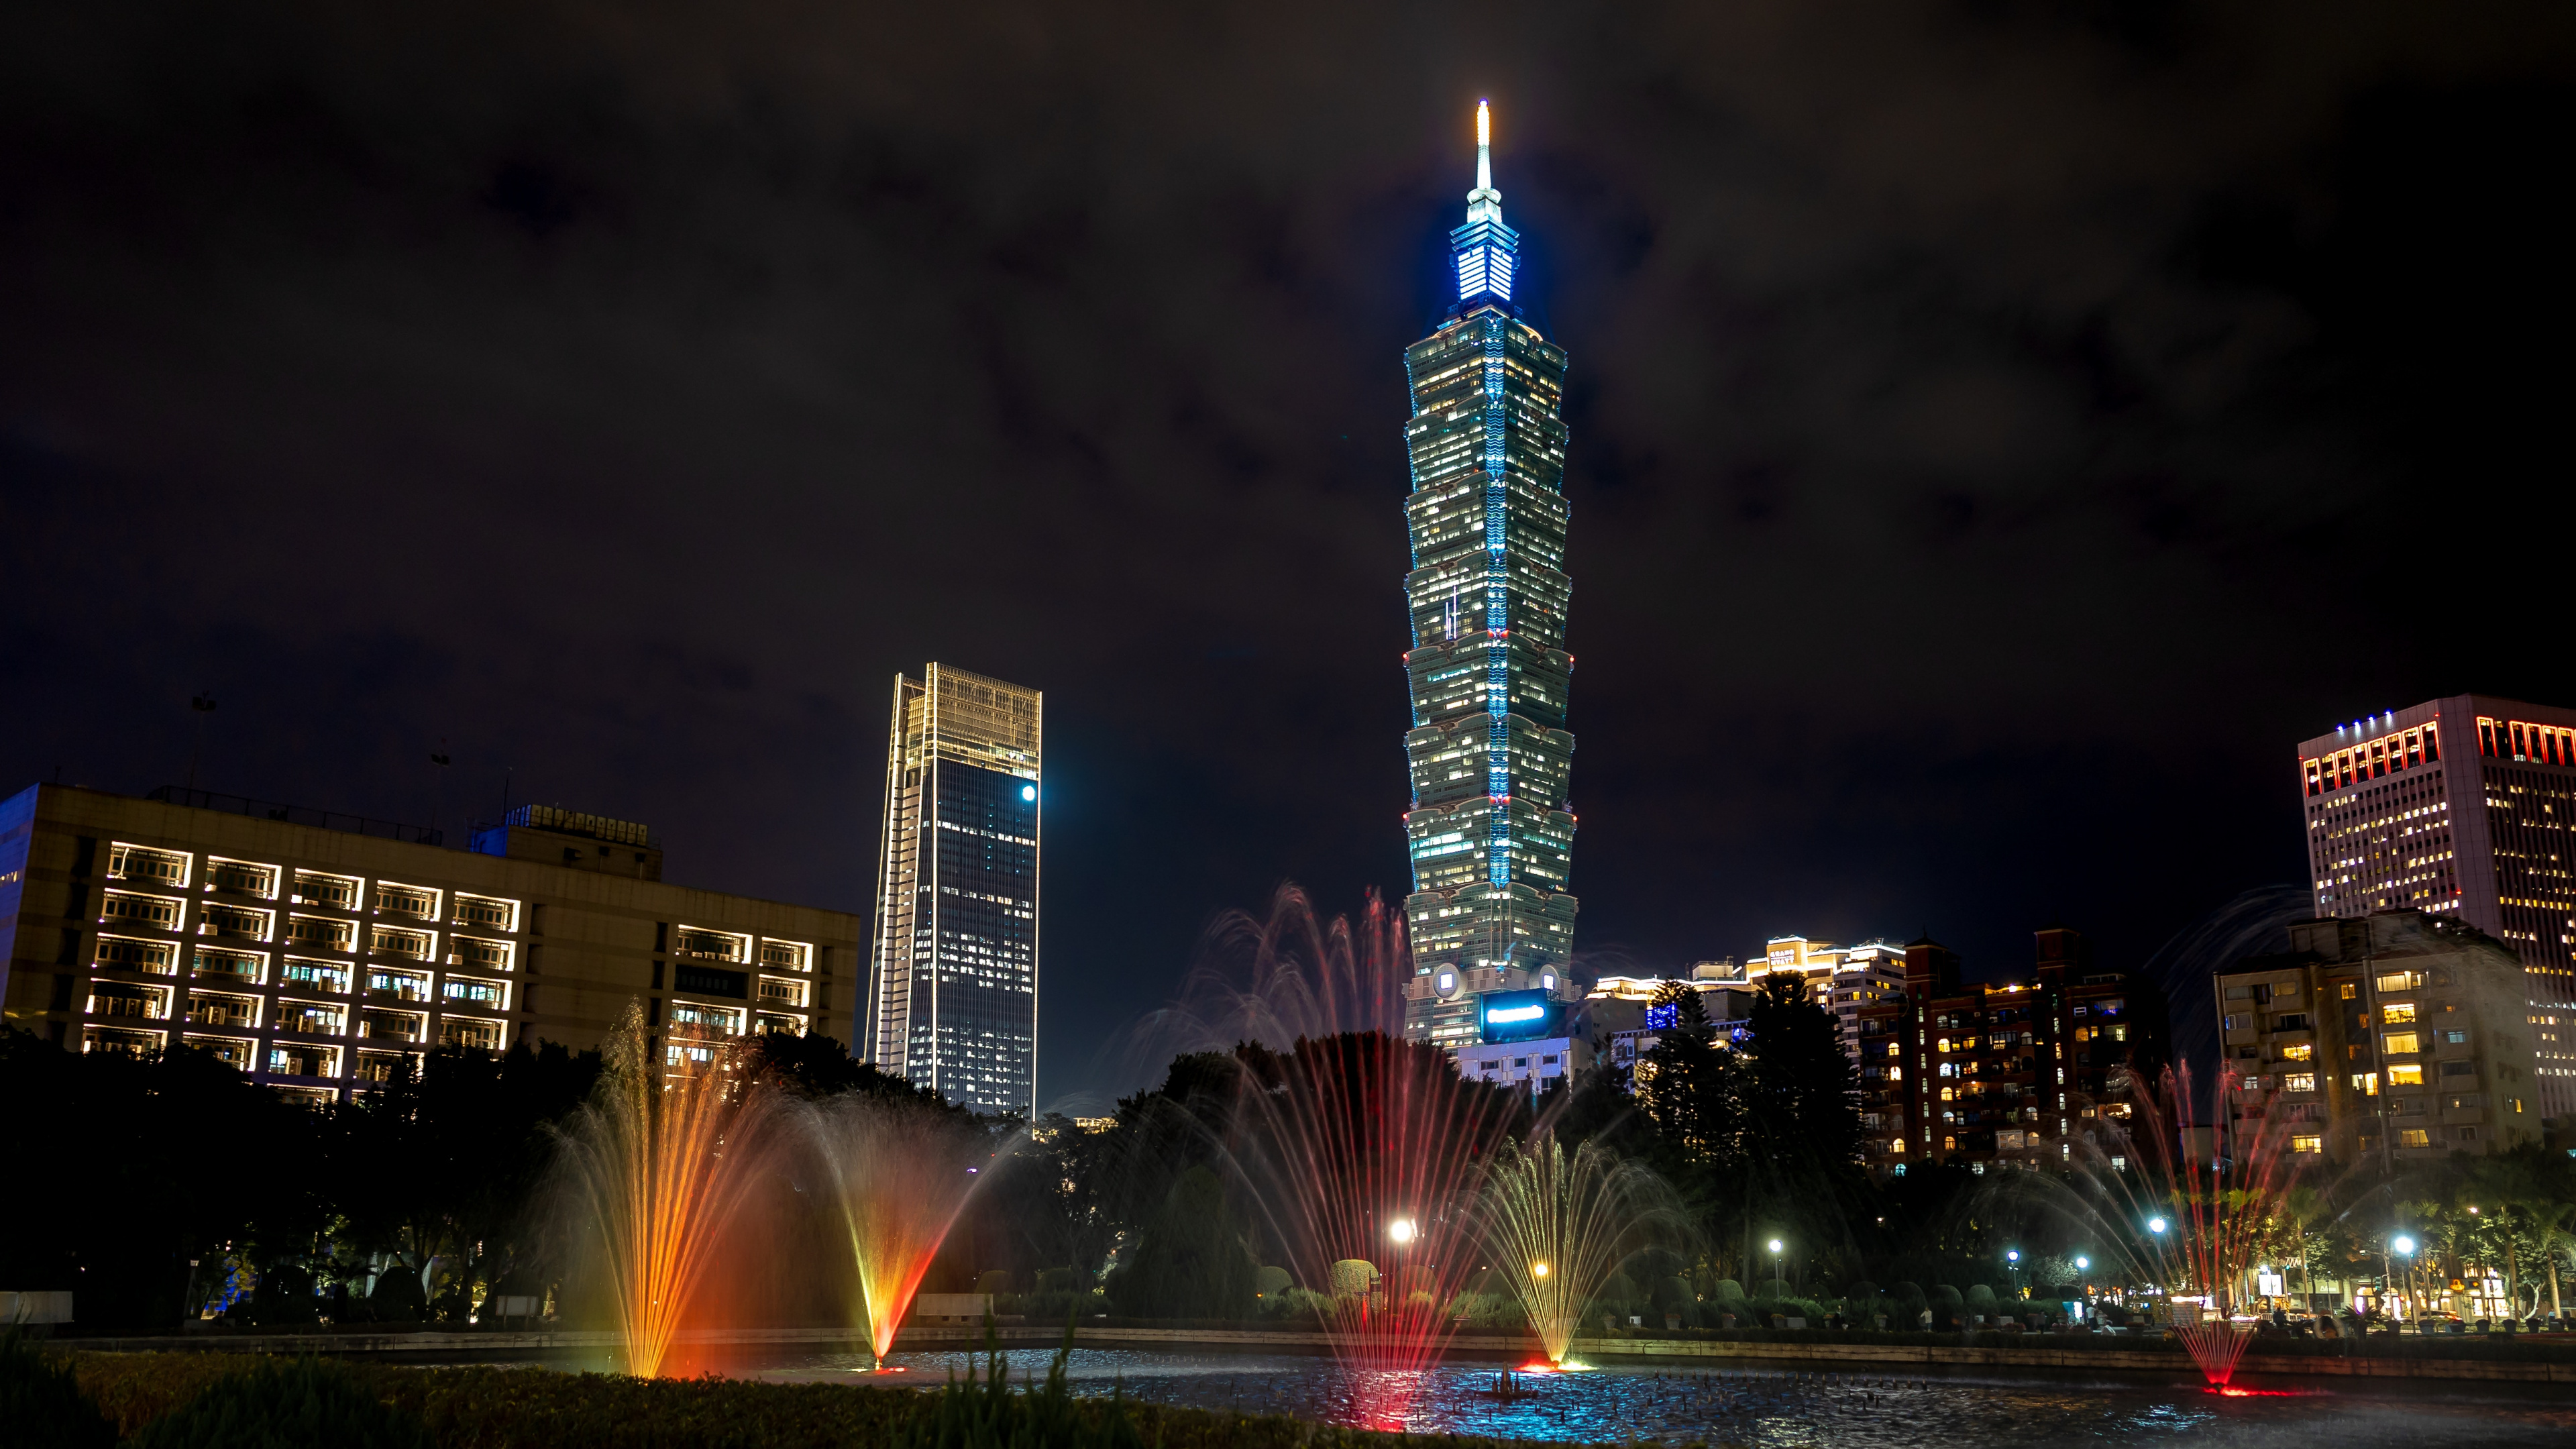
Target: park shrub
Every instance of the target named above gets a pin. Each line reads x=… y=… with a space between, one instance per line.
x=1862 y=1291
x=41 y=1403
x=284 y=1297
x=1270 y=1282
x=397 y=1296
x=993 y=1280
x=286 y=1404
x=1728 y=1291
x=1947 y=1295
x=1981 y=1298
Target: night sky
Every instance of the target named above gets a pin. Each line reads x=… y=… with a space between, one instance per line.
x=2000 y=431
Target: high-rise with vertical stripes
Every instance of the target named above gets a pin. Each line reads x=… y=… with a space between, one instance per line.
x=1489 y=830
x=953 y=1004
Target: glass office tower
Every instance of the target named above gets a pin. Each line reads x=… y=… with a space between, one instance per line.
x=1489 y=832
x=954 y=1004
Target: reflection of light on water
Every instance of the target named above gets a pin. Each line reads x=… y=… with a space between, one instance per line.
x=1775 y=1407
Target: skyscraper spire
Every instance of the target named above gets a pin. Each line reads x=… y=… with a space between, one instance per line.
x=1484 y=155
x=1486 y=251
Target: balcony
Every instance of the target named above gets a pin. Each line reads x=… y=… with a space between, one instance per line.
x=308 y=1019
x=241 y=878
x=142 y=863
x=290 y=1060
x=234 y=923
x=322 y=933
x=124 y=953
x=212 y=964
x=238 y=1012
x=142 y=1003
x=403 y=1026
x=417 y=902
x=116 y=1041
x=394 y=941
x=158 y=913
x=337 y=892
x=467 y=1034
x=399 y=985
x=325 y=976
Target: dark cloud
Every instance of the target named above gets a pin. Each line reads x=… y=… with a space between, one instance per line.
x=2000 y=430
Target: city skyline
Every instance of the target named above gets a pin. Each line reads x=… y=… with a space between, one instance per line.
x=1992 y=444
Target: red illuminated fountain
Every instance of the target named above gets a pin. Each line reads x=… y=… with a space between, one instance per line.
x=1364 y=1149
x=663 y=1164
x=2199 y=1221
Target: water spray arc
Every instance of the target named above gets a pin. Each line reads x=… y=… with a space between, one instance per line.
x=664 y=1170
x=1558 y=1226
x=900 y=1173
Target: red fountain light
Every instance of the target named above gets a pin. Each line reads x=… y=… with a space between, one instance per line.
x=2223 y=1207
x=1365 y=1150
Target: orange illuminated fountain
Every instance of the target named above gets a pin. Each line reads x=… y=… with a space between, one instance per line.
x=900 y=1173
x=663 y=1164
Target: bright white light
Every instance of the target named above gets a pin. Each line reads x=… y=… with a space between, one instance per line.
x=1538 y=1270
x=1484 y=125
x=1028 y=792
x=1401 y=1230
x=1515 y=1013
x=2012 y=1255
x=2402 y=1243
x=2082 y=1263
x=2155 y=1225
x=1775 y=1245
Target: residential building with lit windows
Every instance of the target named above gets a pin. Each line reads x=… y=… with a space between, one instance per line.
x=2465 y=807
x=1490 y=833
x=1841 y=979
x=2396 y=1037
x=2004 y=1074
x=953 y=1003
x=318 y=952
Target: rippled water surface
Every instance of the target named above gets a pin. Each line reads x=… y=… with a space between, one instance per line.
x=1781 y=1407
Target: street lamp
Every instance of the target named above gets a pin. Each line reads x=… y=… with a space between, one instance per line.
x=2012 y=1265
x=1538 y=1270
x=1775 y=1268
x=2405 y=1247
x=1401 y=1230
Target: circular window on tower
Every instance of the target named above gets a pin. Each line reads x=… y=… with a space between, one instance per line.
x=1446 y=983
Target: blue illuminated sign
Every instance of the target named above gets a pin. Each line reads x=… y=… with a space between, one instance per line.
x=1517 y=1015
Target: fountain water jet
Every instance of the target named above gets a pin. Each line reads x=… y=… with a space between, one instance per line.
x=1366 y=1149
x=664 y=1166
x=1559 y=1226
x=900 y=1174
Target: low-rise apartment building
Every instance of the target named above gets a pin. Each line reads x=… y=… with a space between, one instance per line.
x=2004 y=1073
x=2393 y=1037
x=316 y=952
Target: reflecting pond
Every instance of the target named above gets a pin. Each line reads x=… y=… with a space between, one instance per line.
x=1786 y=1406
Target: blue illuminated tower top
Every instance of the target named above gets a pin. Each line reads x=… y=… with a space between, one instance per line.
x=1486 y=251
x=1489 y=830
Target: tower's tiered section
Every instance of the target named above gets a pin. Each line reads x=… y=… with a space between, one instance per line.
x=1490 y=834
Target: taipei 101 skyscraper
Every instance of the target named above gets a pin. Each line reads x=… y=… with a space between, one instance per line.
x=1489 y=833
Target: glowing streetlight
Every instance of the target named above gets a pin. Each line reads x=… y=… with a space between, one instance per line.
x=1776 y=1268
x=1401 y=1230
x=2082 y=1262
x=1538 y=1270
x=2403 y=1244
x=2155 y=1225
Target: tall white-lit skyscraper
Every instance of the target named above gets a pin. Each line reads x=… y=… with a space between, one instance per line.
x=954 y=998
x=2464 y=806
x=1489 y=832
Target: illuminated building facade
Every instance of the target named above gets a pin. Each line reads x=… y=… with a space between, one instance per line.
x=320 y=953
x=2393 y=1039
x=2464 y=807
x=1489 y=831
x=2003 y=1074
x=954 y=1005
x=1841 y=979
